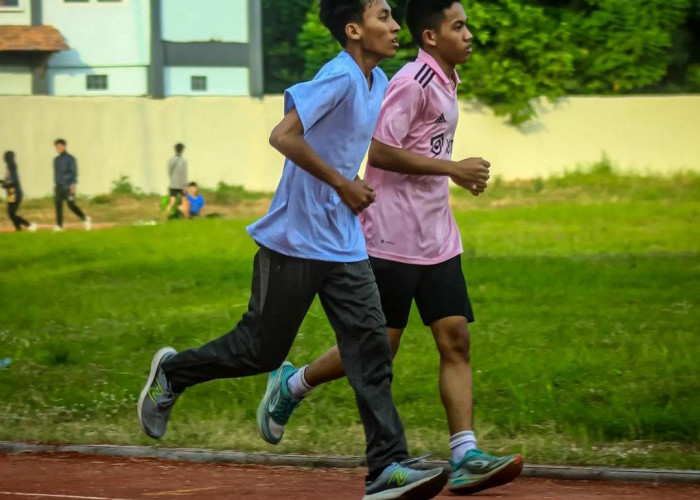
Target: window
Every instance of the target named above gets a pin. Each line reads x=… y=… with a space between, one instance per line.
x=198 y=83
x=9 y=5
x=96 y=82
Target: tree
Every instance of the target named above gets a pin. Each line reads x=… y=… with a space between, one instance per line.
x=526 y=49
x=283 y=62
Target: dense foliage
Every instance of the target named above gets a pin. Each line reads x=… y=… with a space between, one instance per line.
x=525 y=48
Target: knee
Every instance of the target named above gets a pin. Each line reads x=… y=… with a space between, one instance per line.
x=270 y=362
x=394 y=341
x=453 y=344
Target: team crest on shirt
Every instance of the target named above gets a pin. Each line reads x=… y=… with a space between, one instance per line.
x=436 y=144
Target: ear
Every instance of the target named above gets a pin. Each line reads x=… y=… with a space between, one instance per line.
x=353 y=31
x=429 y=38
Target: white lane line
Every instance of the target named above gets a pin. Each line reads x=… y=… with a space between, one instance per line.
x=48 y=495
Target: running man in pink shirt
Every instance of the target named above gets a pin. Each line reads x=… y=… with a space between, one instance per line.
x=412 y=239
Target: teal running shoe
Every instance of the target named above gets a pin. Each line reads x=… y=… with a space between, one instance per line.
x=277 y=404
x=477 y=471
x=403 y=482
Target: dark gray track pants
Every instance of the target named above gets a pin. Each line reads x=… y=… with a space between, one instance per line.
x=282 y=291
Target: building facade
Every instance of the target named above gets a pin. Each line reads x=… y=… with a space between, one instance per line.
x=153 y=48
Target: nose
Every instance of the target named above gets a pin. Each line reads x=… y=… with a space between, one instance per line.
x=467 y=35
x=394 y=26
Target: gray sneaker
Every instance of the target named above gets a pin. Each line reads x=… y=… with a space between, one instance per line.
x=406 y=483
x=157 y=398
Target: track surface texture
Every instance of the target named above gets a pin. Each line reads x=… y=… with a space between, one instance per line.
x=75 y=476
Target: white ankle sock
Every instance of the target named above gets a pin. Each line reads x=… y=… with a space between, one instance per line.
x=297 y=384
x=461 y=443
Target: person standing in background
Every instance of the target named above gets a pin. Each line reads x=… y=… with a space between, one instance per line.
x=177 y=175
x=14 y=193
x=65 y=174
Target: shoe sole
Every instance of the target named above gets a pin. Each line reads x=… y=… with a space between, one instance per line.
x=157 y=358
x=504 y=475
x=428 y=488
x=261 y=406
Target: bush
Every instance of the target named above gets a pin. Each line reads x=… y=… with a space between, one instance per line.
x=123 y=186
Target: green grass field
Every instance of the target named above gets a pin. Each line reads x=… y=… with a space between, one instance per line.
x=585 y=348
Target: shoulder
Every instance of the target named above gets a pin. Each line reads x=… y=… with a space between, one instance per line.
x=420 y=72
x=408 y=80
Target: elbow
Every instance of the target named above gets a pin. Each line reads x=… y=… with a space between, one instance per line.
x=276 y=139
x=373 y=157
x=376 y=158
x=279 y=140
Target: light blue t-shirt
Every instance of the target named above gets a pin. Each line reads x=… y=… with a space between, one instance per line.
x=307 y=219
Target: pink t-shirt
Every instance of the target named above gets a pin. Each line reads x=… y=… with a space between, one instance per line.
x=411 y=220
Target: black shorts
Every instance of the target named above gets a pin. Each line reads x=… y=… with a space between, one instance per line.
x=439 y=290
x=175 y=192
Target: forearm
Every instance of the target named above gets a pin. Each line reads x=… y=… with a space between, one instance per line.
x=73 y=172
x=288 y=139
x=406 y=162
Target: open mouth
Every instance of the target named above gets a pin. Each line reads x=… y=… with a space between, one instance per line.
x=395 y=43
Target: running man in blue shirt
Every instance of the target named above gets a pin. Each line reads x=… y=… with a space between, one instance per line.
x=311 y=243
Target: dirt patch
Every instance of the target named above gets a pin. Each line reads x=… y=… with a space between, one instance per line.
x=126 y=210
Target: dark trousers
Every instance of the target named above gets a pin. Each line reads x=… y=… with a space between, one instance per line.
x=282 y=291
x=16 y=219
x=62 y=194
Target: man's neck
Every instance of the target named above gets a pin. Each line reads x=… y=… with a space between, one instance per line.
x=367 y=61
x=447 y=68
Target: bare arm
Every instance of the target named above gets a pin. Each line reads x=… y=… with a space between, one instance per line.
x=470 y=173
x=288 y=138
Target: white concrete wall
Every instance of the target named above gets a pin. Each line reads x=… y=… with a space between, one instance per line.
x=20 y=15
x=220 y=81
x=15 y=81
x=641 y=133
x=103 y=36
x=205 y=20
x=101 y=33
x=120 y=81
x=226 y=138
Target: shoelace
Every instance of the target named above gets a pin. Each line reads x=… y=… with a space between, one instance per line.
x=416 y=460
x=284 y=409
x=168 y=398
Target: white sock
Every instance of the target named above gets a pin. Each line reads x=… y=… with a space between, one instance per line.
x=298 y=385
x=461 y=443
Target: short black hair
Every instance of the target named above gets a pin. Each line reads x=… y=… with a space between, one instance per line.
x=179 y=147
x=59 y=141
x=336 y=14
x=424 y=15
x=192 y=184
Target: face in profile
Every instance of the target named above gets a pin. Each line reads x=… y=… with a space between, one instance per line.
x=380 y=30
x=453 y=39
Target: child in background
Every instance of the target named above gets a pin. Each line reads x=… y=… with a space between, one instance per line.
x=195 y=200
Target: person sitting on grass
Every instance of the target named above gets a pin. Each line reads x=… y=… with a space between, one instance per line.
x=195 y=200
